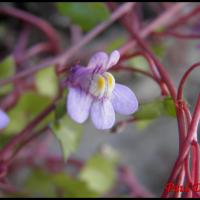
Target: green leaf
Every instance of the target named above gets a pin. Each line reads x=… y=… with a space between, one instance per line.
x=99 y=173
x=159 y=49
x=68 y=133
x=86 y=15
x=110 y=153
x=150 y=110
x=47 y=82
x=39 y=183
x=73 y=187
x=4 y=140
x=155 y=109
x=43 y=184
x=142 y=124
x=7 y=69
x=29 y=106
x=169 y=107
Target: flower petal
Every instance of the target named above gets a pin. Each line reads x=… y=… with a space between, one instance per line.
x=4 y=119
x=124 y=100
x=78 y=105
x=102 y=114
x=114 y=58
x=98 y=61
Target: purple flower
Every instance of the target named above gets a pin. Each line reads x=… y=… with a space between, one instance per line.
x=93 y=91
x=4 y=119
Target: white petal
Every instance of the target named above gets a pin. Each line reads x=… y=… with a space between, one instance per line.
x=98 y=61
x=78 y=105
x=114 y=58
x=102 y=114
x=124 y=100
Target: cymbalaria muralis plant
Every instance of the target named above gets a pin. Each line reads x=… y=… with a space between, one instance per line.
x=35 y=75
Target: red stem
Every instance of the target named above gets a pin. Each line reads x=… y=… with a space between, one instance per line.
x=131 y=69
x=177 y=35
x=21 y=44
x=37 y=49
x=123 y=9
x=184 y=78
x=162 y=21
x=63 y=58
x=192 y=131
x=20 y=136
x=149 y=60
x=35 y=21
x=31 y=70
x=183 y=19
x=24 y=142
x=197 y=163
x=160 y=68
x=137 y=190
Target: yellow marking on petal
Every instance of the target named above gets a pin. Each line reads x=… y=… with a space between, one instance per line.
x=98 y=85
x=110 y=80
x=101 y=83
x=110 y=83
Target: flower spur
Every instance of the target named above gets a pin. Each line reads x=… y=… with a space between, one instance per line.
x=93 y=91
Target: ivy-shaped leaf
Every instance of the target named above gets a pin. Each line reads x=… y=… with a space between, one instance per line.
x=7 y=69
x=68 y=133
x=99 y=173
x=29 y=106
x=47 y=82
x=155 y=109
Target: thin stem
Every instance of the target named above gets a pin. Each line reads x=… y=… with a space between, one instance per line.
x=132 y=69
x=197 y=163
x=178 y=35
x=148 y=59
x=164 y=76
x=181 y=124
x=37 y=49
x=21 y=44
x=5 y=187
x=162 y=21
x=10 y=100
x=124 y=8
x=137 y=190
x=24 y=142
x=20 y=136
x=187 y=169
x=46 y=63
x=119 y=126
x=183 y=19
x=180 y=182
x=184 y=78
x=160 y=68
x=63 y=58
x=185 y=148
x=35 y=21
